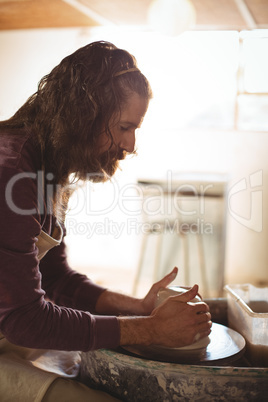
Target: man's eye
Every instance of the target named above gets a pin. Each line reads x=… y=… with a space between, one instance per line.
x=123 y=128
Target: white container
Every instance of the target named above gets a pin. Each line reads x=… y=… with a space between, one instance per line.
x=248 y=315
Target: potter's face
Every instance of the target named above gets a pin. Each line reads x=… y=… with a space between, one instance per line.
x=123 y=129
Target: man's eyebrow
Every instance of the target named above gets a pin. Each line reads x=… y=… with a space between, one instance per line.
x=129 y=123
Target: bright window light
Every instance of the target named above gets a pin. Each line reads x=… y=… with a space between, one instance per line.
x=193 y=76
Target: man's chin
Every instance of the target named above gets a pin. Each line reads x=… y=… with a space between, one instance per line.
x=111 y=169
x=109 y=163
x=106 y=173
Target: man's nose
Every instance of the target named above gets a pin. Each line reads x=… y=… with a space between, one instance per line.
x=128 y=142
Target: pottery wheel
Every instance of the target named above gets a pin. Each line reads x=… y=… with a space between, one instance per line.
x=225 y=346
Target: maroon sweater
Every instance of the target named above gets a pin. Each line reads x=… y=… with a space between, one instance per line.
x=67 y=322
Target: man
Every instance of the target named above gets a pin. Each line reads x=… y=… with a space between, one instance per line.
x=80 y=123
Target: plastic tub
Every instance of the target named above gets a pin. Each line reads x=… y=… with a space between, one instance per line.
x=248 y=314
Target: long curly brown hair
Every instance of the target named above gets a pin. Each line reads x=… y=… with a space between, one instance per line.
x=75 y=103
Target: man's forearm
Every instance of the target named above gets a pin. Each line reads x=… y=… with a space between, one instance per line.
x=136 y=330
x=118 y=304
x=113 y=303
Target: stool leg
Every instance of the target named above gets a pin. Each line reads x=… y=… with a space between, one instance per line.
x=140 y=263
x=202 y=264
x=157 y=263
x=172 y=250
x=186 y=267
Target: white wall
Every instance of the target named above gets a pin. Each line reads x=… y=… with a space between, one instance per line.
x=27 y=55
x=243 y=157
x=247 y=227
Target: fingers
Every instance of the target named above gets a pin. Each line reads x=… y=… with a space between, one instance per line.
x=189 y=287
x=200 y=307
x=187 y=296
x=201 y=320
x=164 y=282
x=204 y=317
x=204 y=323
x=204 y=329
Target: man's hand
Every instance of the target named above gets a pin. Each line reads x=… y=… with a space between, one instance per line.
x=178 y=321
x=149 y=301
x=175 y=323
x=115 y=303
